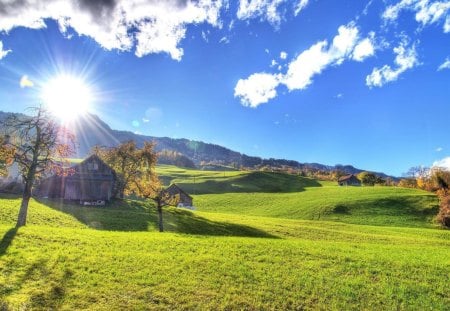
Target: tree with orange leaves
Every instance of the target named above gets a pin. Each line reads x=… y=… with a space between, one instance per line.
x=39 y=145
x=135 y=170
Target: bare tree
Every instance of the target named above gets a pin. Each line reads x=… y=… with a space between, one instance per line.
x=38 y=145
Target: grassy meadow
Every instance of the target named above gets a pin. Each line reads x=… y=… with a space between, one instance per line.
x=248 y=246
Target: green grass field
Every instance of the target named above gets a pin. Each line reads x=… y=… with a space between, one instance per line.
x=320 y=247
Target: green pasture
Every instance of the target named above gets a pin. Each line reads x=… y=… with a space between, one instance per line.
x=248 y=246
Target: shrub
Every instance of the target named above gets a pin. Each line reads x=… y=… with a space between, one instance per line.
x=443 y=216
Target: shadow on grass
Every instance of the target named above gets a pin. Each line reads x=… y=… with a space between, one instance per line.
x=133 y=215
x=51 y=297
x=7 y=240
x=47 y=284
x=252 y=182
x=7 y=195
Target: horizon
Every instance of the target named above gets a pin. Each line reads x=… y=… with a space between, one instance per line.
x=365 y=85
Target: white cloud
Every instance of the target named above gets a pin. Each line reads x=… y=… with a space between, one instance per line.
x=365 y=48
x=267 y=9
x=430 y=13
x=439 y=149
x=264 y=9
x=148 y=26
x=427 y=12
x=205 y=36
x=3 y=52
x=273 y=63
x=445 y=65
x=306 y=65
x=447 y=24
x=406 y=59
x=257 y=89
x=444 y=163
x=283 y=55
x=25 y=82
x=391 y=13
x=300 y=6
x=300 y=71
x=224 y=40
x=314 y=60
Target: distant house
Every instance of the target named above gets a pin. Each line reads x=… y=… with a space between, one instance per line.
x=185 y=199
x=349 y=180
x=90 y=183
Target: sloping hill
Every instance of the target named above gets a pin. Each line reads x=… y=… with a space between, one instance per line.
x=320 y=266
x=225 y=256
x=203 y=182
x=385 y=206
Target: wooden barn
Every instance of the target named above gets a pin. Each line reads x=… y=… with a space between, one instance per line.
x=91 y=182
x=349 y=180
x=185 y=199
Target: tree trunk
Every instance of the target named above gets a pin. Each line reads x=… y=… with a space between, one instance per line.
x=160 y=216
x=23 y=212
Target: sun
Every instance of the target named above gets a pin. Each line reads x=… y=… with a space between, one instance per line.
x=66 y=96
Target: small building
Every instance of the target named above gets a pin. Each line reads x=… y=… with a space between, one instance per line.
x=90 y=182
x=349 y=180
x=185 y=200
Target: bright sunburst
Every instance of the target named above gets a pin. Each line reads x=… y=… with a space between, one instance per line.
x=66 y=96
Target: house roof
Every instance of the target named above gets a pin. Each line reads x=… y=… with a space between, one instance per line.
x=178 y=189
x=79 y=169
x=347 y=177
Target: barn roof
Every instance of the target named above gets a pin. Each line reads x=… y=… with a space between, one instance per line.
x=80 y=171
x=347 y=177
x=174 y=187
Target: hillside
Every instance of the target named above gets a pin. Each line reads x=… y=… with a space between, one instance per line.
x=90 y=131
x=296 y=197
x=110 y=258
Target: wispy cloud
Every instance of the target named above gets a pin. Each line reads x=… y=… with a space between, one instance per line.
x=224 y=40
x=147 y=26
x=25 y=82
x=302 y=69
x=300 y=6
x=445 y=65
x=406 y=58
x=439 y=149
x=283 y=55
x=3 y=52
x=426 y=12
x=267 y=9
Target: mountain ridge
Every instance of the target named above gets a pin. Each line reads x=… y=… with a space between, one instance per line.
x=90 y=130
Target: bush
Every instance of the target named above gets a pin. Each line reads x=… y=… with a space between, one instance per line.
x=443 y=216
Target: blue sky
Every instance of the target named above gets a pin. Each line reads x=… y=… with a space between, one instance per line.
x=350 y=82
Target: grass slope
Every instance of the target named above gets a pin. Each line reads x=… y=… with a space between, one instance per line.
x=358 y=205
x=66 y=268
x=243 y=250
x=203 y=182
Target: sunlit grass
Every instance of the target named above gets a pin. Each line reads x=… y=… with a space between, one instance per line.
x=59 y=268
x=313 y=249
x=358 y=205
